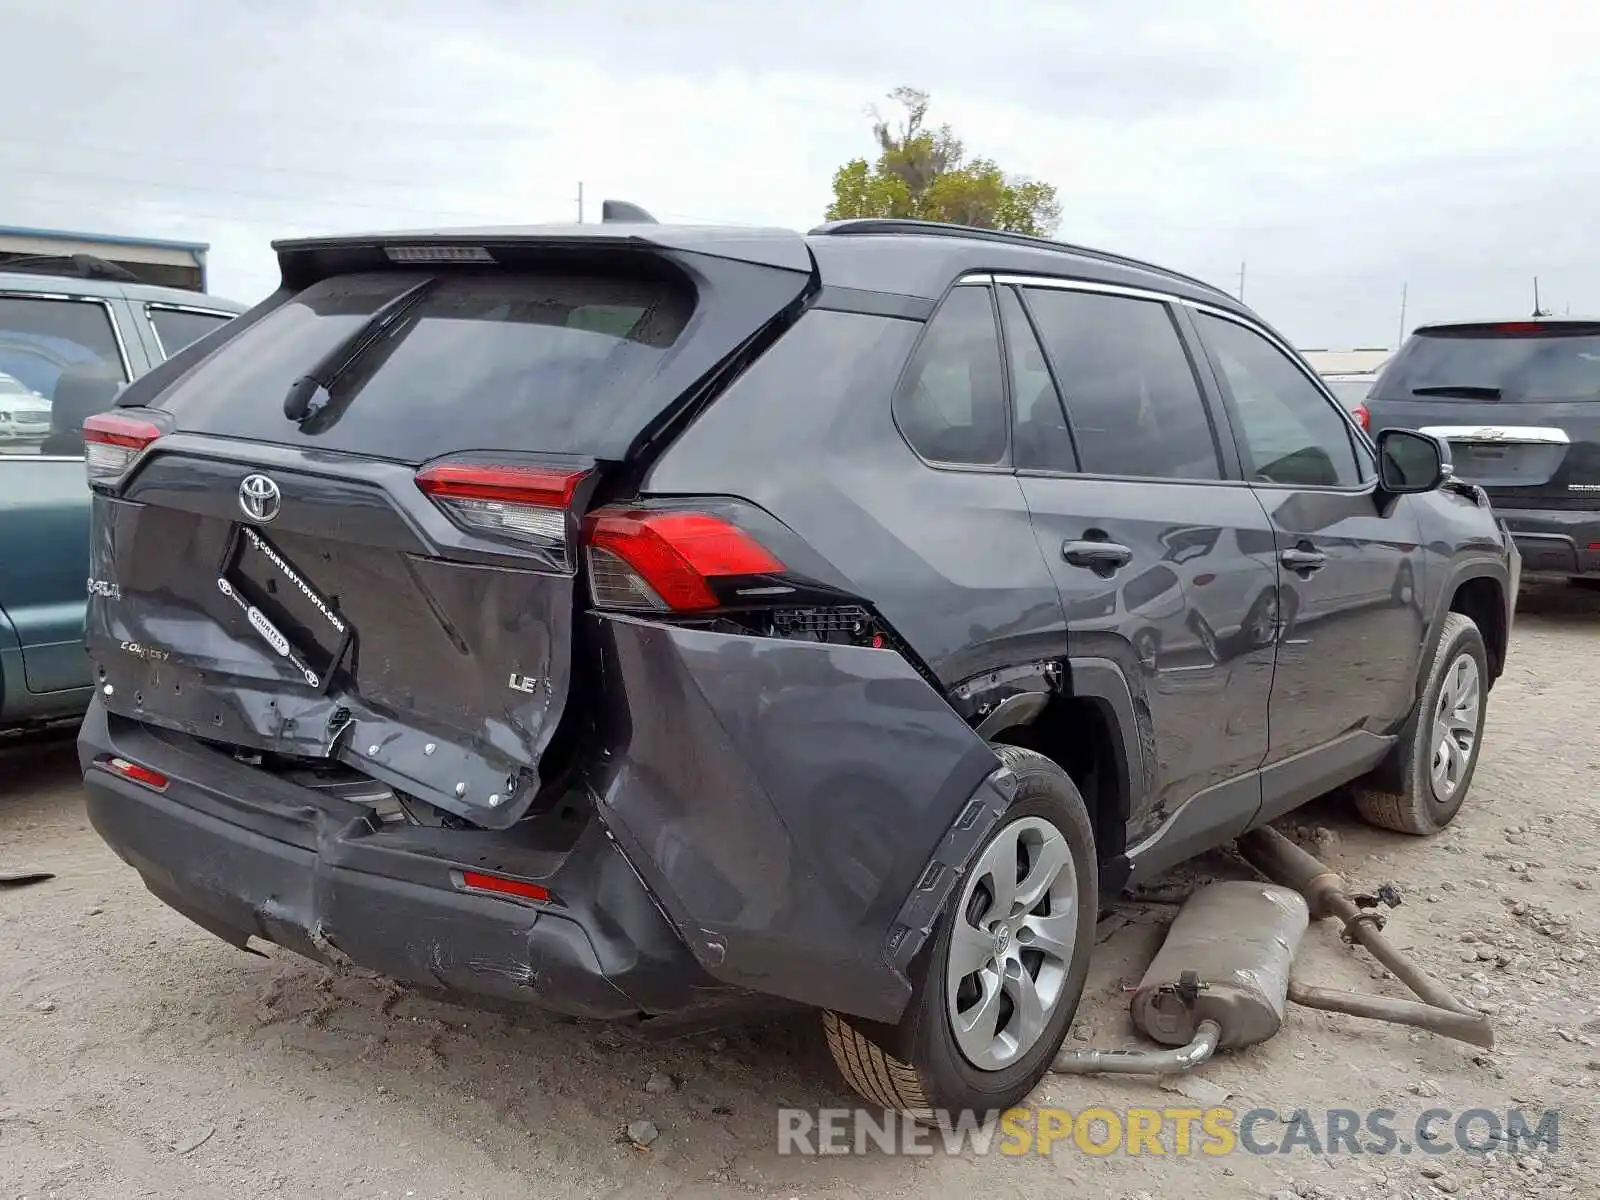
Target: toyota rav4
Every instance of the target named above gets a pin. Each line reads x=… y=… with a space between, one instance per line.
x=653 y=623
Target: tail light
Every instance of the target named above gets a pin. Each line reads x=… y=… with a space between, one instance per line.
x=1363 y=417
x=522 y=504
x=112 y=443
x=502 y=885
x=668 y=560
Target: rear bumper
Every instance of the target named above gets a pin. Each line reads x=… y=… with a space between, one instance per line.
x=246 y=855
x=1555 y=541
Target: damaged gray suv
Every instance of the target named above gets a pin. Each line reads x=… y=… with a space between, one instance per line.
x=656 y=624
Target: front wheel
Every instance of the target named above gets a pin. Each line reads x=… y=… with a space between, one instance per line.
x=1007 y=966
x=1438 y=752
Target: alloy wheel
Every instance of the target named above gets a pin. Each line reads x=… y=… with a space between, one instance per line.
x=1011 y=943
x=1456 y=718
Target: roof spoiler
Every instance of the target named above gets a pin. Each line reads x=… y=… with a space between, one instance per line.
x=620 y=212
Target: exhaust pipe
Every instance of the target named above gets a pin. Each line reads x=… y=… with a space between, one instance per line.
x=1220 y=981
x=1279 y=859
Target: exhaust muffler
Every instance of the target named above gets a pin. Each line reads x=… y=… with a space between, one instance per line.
x=1222 y=978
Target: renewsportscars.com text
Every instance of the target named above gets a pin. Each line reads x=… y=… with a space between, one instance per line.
x=1102 y=1131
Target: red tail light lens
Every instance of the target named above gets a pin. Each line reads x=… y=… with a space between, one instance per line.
x=524 y=504
x=112 y=442
x=521 y=889
x=153 y=780
x=662 y=560
x=1363 y=417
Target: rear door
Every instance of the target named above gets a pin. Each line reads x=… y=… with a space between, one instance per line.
x=1519 y=403
x=1347 y=569
x=61 y=359
x=355 y=537
x=1117 y=453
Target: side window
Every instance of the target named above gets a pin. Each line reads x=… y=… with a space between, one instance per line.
x=1130 y=389
x=176 y=328
x=59 y=363
x=951 y=405
x=1039 y=437
x=1288 y=431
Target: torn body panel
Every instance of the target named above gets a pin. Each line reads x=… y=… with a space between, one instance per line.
x=783 y=799
x=246 y=853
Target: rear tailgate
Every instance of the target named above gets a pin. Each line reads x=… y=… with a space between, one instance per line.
x=1519 y=403
x=389 y=580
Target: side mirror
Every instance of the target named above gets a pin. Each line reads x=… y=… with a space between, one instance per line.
x=1411 y=462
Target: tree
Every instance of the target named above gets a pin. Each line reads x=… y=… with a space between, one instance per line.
x=925 y=173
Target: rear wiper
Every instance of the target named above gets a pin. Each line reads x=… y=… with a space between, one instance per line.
x=312 y=391
x=1467 y=391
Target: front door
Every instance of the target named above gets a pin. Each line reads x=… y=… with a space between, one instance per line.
x=1347 y=564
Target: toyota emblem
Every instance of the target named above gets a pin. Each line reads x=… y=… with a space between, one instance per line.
x=259 y=498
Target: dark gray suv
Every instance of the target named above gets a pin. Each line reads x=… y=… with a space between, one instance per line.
x=657 y=623
x=1519 y=404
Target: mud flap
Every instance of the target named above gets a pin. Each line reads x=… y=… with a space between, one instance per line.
x=784 y=801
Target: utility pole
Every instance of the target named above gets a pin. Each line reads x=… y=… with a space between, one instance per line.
x=1241 y=283
x=1400 y=341
x=580 y=202
x=1538 y=309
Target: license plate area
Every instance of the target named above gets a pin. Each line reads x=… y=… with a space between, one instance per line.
x=301 y=625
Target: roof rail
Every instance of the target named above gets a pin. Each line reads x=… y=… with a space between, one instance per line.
x=905 y=225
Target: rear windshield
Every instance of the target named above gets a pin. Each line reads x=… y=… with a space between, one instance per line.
x=484 y=361
x=1551 y=364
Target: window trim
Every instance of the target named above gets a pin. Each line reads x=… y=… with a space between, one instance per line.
x=152 y=306
x=1004 y=466
x=1050 y=372
x=1364 y=485
x=1022 y=282
x=105 y=302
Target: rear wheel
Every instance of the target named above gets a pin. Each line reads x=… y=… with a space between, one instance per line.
x=1438 y=752
x=1007 y=965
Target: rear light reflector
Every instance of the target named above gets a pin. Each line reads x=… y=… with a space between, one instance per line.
x=663 y=560
x=112 y=442
x=527 y=504
x=138 y=774
x=521 y=889
x=1363 y=417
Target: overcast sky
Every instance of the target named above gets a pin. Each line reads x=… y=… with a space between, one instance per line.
x=1339 y=149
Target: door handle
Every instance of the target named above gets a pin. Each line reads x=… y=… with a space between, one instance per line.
x=1303 y=562
x=1100 y=557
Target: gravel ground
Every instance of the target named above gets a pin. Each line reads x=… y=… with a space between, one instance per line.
x=141 y=1057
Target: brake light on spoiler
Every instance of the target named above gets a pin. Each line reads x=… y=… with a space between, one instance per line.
x=112 y=443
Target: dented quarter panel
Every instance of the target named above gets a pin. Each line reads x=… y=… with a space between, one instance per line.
x=782 y=798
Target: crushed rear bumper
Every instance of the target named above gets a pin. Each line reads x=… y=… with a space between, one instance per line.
x=768 y=819
x=244 y=854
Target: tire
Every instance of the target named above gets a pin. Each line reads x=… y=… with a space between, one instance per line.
x=1411 y=797
x=920 y=1066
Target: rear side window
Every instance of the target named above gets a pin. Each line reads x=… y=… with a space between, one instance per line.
x=59 y=364
x=1288 y=431
x=1039 y=438
x=951 y=405
x=176 y=328
x=1520 y=360
x=501 y=361
x=1130 y=390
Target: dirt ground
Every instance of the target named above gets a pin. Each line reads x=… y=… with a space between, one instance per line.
x=139 y=1056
